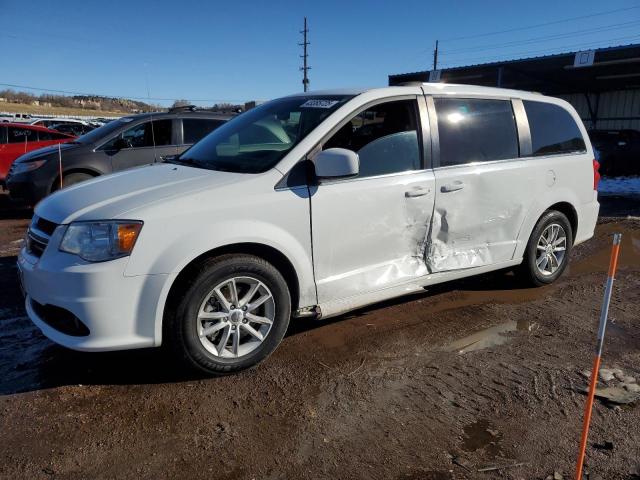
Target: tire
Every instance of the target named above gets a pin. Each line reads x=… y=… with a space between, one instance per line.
x=534 y=270
x=214 y=354
x=74 y=178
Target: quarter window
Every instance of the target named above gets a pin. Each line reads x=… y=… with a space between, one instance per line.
x=21 y=135
x=553 y=129
x=196 y=128
x=384 y=136
x=475 y=130
x=44 y=136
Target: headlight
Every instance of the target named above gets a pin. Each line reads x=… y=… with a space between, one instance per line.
x=100 y=241
x=21 y=167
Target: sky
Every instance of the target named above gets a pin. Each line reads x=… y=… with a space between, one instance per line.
x=213 y=51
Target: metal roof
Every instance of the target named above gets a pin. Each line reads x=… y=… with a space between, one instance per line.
x=614 y=68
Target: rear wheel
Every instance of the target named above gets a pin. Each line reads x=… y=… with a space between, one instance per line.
x=547 y=252
x=232 y=316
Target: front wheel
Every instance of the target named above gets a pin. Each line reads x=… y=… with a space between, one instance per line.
x=232 y=316
x=547 y=252
x=70 y=179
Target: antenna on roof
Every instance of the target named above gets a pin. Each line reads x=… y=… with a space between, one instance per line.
x=153 y=133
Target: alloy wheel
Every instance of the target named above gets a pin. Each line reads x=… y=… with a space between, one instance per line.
x=236 y=317
x=551 y=249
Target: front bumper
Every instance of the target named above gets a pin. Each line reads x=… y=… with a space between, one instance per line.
x=27 y=188
x=119 y=312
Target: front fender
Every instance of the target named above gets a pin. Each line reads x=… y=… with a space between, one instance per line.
x=173 y=256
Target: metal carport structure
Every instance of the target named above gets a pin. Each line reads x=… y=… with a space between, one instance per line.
x=603 y=84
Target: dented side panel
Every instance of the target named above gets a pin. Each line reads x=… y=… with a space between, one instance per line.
x=370 y=233
x=479 y=210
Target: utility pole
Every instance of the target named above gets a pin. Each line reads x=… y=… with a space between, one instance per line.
x=305 y=68
x=435 y=56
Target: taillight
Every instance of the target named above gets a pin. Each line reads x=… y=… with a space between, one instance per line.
x=596 y=174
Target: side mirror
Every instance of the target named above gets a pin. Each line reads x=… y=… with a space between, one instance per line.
x=336 y=163
x=121 y=143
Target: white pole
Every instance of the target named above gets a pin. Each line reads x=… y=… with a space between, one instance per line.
x=60 y=163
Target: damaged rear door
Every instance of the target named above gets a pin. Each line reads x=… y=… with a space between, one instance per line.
x=370 y=231
x=482 y=192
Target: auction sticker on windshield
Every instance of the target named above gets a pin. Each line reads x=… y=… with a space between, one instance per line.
x=319 y=103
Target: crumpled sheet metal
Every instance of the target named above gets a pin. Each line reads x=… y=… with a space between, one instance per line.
x=472 y=243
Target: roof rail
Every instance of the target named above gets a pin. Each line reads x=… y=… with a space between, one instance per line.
x=183 y=108
x=412 y=83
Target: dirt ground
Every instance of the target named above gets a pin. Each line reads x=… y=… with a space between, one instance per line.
x=469 y=375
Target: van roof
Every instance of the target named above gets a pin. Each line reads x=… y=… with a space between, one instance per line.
x=433 y=88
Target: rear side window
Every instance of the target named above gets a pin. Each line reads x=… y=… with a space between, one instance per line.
x=142 y=135
x=384 y=136
x=20 y=135
x=553 y=129
x=48 y=136
x=475 y=130
x=196 y=128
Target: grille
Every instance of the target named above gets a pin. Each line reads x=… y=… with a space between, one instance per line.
x=36 y=244
x=45 y=226
x=38 y=235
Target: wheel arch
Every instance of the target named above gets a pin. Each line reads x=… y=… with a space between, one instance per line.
x=570 y=212
x=272 y=255
x=564 y=202
x=89 y=171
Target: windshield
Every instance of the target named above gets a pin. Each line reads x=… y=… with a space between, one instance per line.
x=103 y=131
x=258 y=139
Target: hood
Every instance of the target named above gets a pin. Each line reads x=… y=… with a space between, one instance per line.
x=41 y=152
x=109 y=196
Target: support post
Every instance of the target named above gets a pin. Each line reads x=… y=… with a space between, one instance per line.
x=613 y=263
x=435 y=56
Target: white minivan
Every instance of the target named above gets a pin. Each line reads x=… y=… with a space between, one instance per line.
x=310 y=206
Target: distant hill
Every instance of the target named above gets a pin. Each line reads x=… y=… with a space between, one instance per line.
x=83 y=102
x=22 y=102
x=36 y=110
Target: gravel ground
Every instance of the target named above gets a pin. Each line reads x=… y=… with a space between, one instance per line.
x=468 y=375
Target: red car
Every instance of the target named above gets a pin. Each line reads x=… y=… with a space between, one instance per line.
x=17 y=139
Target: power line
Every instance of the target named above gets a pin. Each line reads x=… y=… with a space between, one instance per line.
x=556 y=36
x=529 y=27
x=129 y=97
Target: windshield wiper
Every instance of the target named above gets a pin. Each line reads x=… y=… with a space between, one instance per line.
x=182 y=161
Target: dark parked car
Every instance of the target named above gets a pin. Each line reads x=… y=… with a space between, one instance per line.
x=618 y=151
x=124 y=143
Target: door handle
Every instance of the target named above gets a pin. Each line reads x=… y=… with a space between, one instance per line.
x=452 y=187
x=417 y=192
